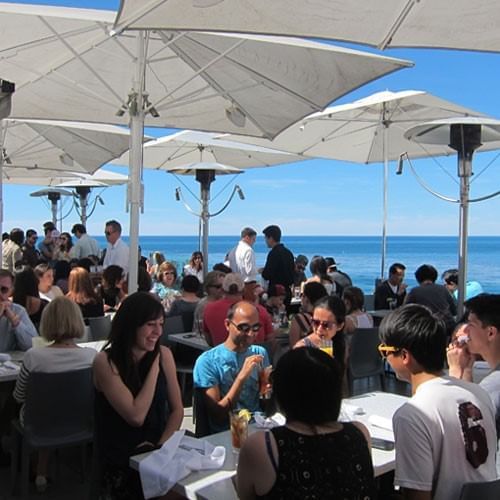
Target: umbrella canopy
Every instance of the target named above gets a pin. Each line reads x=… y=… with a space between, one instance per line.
x=465 y=136
x=370 y=130
x=66 y=66
x=60 y=145
x=57 y=178
x=458 y=24
x=189 y=146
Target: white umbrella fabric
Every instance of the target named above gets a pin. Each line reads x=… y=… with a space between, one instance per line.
x=66 y=66
x=189 y=146
x=370 y=130
x=464 y=136
x=458 y=24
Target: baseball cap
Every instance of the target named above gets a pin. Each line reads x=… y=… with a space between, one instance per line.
x=233 y=283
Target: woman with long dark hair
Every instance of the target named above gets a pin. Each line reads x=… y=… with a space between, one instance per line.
x=313 y=455
x=26 y=294
x=195 y=266
x=138 y=400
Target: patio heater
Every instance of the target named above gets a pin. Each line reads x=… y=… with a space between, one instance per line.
x=54 y=196
x=205 y=174
x=465 y=136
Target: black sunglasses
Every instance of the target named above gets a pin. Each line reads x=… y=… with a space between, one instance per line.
x=327 y=325
x=5 y=289
x=215 y=286
x=246 y=328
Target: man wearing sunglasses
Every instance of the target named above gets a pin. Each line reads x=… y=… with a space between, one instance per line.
x=117 y=252
x=228 y=375
x=16 y=328
x=445 y=434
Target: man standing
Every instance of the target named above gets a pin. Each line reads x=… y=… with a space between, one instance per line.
x=242 y=256
x=85 y=245
x=117 y=252
x=228 y=375
x=12 y=253
x=392 y=292
x=16 y=328
x=483 y=338
x=31 y=256
x=280 y=266
x=445 y=434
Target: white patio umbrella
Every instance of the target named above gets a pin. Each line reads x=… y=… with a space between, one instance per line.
x=66 y=66
x=56 y=180
x=459 y=24
x=464 y=136
x=370 y=130
x=206 y=153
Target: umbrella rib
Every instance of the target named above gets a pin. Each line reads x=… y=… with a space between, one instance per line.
x=396 y=24
x=144 y=10
x=78 y=55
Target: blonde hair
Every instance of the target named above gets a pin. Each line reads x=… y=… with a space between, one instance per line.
x=62 y=319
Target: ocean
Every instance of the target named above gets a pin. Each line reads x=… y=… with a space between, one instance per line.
x=358 y=256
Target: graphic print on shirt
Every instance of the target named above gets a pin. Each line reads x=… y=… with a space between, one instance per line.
x=476 y=446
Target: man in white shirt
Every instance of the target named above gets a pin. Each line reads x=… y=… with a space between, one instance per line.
x=117 y=252
x=445 y=434
x=242 y=257
x=85 y=245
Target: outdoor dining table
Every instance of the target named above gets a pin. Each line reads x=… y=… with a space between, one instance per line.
x=217 y=484
x=190 y=339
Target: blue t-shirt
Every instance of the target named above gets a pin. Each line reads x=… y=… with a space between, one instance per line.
x=220 y=366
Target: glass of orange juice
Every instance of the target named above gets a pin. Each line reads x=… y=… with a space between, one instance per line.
x=326 y=345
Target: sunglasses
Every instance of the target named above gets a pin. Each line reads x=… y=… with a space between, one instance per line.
x=169 y=272
x=5 y=289
x=108 y=233
x=246 y=328
x=215 y=286
x=385 y=350
x=326 y=325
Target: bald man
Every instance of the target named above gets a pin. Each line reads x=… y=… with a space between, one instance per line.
x=228 y=374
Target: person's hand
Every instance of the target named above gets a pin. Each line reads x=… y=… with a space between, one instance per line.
x=10 y=314
x=250 y=363
x=459 y=359
x=402 y=288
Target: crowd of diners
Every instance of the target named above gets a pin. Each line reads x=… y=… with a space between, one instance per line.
x=446 y=434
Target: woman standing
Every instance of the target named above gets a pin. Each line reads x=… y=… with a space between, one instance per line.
x=138 y=400
x=195 y=266
x=313 y=455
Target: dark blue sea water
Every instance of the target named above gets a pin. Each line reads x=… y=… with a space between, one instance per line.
x=359 y=256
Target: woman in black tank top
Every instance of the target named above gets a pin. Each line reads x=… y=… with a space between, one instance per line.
x=313 y=456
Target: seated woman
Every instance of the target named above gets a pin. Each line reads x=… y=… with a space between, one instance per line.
x=318 y=268
x=301 y=325
x=46 y=288
x=313 y=455
x=62 y=324
x=81 y=291
x=186 y=303
x=138 y=400
x=61 y=275
x=166 y=286
x=111 y=290
x=26 y=294
x=354 y=301
x=195 y=266
x=328 y=322
x=63 y=247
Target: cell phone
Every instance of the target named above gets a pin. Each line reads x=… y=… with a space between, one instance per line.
x=382 y=444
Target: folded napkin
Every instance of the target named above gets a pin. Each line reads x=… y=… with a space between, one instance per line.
x=8 y=368
x=4 y=356
x=349 y=412
x=275 y=420
x=381 y=422
x=178 y=457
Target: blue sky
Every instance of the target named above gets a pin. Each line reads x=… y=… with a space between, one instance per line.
x=320 y=197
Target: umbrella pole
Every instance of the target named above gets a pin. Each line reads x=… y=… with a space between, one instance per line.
x=384 y=216
x=465 y=139
x=136 y=110
x=2 y=138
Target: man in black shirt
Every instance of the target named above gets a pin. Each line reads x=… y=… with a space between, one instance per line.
x=392 y=292
x=280 y=266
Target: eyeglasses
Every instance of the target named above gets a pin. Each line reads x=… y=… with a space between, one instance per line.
x=5 y=289
x=246 y=328
x=169 y=272
x=327 y=325
x=108 y=233
x=215 y=286
x=385 y=350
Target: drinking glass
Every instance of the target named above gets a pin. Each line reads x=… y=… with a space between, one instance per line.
x=326 y=345
x=239 y=429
